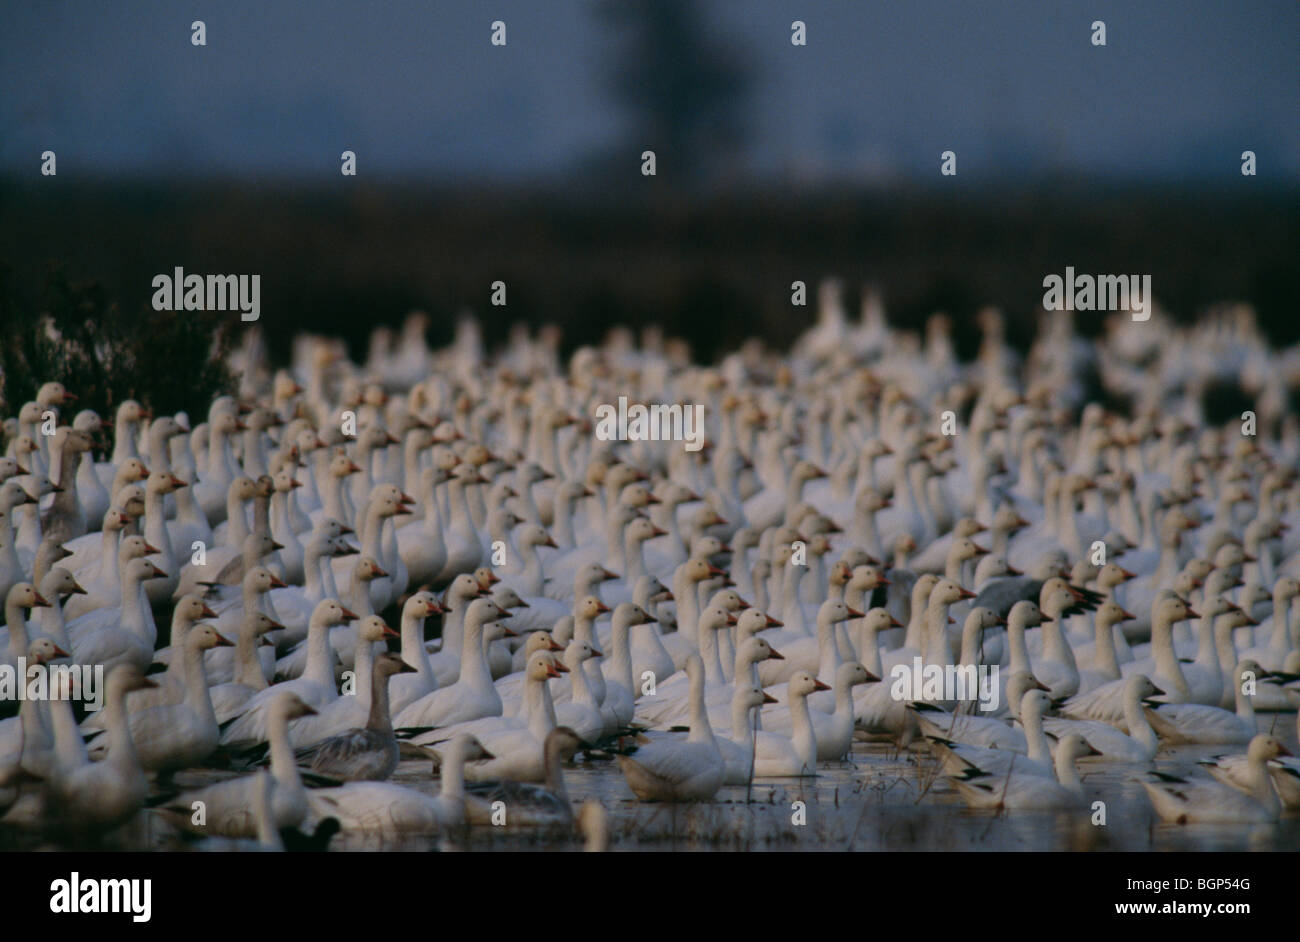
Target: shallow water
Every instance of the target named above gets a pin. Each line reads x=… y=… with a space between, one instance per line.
x=882 y=799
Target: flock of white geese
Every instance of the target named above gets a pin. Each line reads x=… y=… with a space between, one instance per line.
x=702 y=618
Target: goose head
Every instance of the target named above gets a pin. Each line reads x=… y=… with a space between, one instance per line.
x=463 y=590
x=539 y=641
x=947 y=592
x=329 y=612
x=834 y=610
x=590 y=608
x=485 y=578
x=530 y=534
x=261 y=580
x=1055 y=599
x=628 y=615
x=372 y=628
x=1264 y=747
x=133 y=547
x=44 y=650
x=1034 y=702
x=714 y=618
x=388 y=664
x=803 y=683
x=1139 y=688
x=482 y=611
x=256 y=624
x=751 y=696
x=1019 y=683
x=204 y=638
x=422 y=605
x=851 y=674
x=542 y=666
x=1024 y=614
x=880 y=619
x=141 y=570
x=753 y=620
x=58 y=582
x=1073 y=746
x=753 y=650
x=729 y=600
x=189 y=610
x=1170 y=610
x=1111 y=613
x=577 y=652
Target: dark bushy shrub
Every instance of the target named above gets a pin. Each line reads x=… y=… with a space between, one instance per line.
x=169 y=361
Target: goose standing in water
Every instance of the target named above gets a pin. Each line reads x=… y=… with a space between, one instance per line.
x=692 y=770
x=1192 y=801
x=369 y=753
x=531 y=806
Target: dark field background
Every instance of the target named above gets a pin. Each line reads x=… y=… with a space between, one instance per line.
x=713 y=270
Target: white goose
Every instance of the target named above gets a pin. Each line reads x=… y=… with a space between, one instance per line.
x=1190 y=801
x=692 y=770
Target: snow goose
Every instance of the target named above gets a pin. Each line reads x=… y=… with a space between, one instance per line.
x=171 y=684
x=581 y=712
x=530 y=806
x=174 y=736
x=367 y=753
x=472 y=695
x=796 y=755
x=228 y=805
x=108 y=636
x=974 y=729
x=229 y=699
x=356 y=704
x=388 y=811
x=1210 y=725
x=463 y=590
x=1183 y=801
x=1106 y=703
x=22 y=597
x=1139 y=745
x=833 y=731
x=407 y=688
x=25 y=740
x=1030 y=792
x=973 y=762
x=738 y=749
x=99 y=795
x=316 y=686
x=692 y=770
x=621 y=688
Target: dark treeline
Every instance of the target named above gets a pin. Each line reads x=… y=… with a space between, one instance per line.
x=713 y=271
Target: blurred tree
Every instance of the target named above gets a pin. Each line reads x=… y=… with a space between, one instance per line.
x=686 y=90
x=168 y=361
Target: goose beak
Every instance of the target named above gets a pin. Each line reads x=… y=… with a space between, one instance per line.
x=552 y=646
x=349 y=615
x=207 y=612
x=150 y=549
x=506 y=632
x=894 y=622
x=1126 y=615
x=775 y=655
x=59 y=652
x=967 y=594
x=224 y=642
x=715 y=571
x=40 y=601
x=658 y=532
x=768 y=698
x=1013 y=571
x=76 y=589
x=818 y=685
x=606 y=575
x=602 y=607
x=277 y=582
x=771 y=622
x=1156 y=691
x=390 y=633
x=854 y=613
x=550 y=541
x=275 y=547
